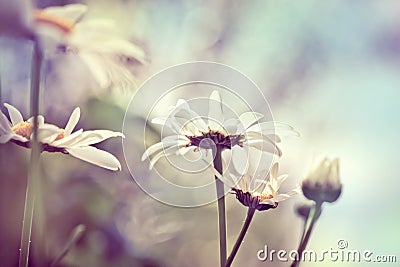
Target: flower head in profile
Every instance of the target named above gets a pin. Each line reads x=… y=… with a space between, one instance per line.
x=322 y=184
x=109 y=57
x=191 y=132
x=54 y=139
x=257 y=188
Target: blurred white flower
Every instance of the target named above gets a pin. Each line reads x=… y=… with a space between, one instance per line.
x=322 y=184
x=54 y=139
x=191 y=130
x=108 y=56
x=16 y=18
x=258 y=187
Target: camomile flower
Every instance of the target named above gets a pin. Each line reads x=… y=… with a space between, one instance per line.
x=191 y=132
x=54 y=139
x=108 y=56
x=258 y=187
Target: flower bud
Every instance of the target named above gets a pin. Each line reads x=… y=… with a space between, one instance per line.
x=322 y=184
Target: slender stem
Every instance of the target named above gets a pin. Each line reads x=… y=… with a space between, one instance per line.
x=73 y=238
x=221 y=207
x=33 y=174
x=250 y=214
x=314 y=215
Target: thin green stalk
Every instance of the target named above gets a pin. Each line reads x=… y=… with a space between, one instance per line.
x=33 y=174
x=221 y=207
x=73 y=238
x=314 y=215
x=250 y=214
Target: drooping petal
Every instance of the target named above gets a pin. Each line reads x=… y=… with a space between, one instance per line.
x=73 y=121
x=15 y=115
x=165 y=143
x=226 y=178
x=166 y=152
x=96 y=156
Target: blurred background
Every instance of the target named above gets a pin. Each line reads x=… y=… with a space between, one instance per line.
x=328 y=68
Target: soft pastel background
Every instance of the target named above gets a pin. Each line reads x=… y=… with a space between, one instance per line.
x=328 y=68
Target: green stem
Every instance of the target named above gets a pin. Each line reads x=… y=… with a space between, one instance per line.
x=33 y=174
x=73 y=238
x=314 y=215
x=250 y=214
x=221 y=207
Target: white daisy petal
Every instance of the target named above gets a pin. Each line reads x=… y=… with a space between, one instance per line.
x=249 y=118
x=15 y=115
x=5 y=138
x=68 y=140
x=73 y=121
x=269 y=202
x=165 y=143
x=264 y=145
x=95 y=156
x=160 y=121
x=168 y=151
x=72 y=12
x=95 y=136
x=281 y=197
x=40 y=120
x=215 y=115
x=47 y=133
x=5 y=124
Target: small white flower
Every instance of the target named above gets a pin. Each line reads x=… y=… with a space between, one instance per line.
x=258 y=187
x=192 y=131
x=322 y=184
x=109 y=57
x=54 y=139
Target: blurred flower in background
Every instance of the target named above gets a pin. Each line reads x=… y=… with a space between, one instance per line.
x=108 y=56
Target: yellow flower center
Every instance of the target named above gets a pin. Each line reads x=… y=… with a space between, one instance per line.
x=60 y=135
x=263 y=197
x=61 y=23
x=23 y=129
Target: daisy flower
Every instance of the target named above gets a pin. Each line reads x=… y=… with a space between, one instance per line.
x=191 y=132
x=54 y=139
x=257 y=188
x=322 y=184
x=108 y=56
